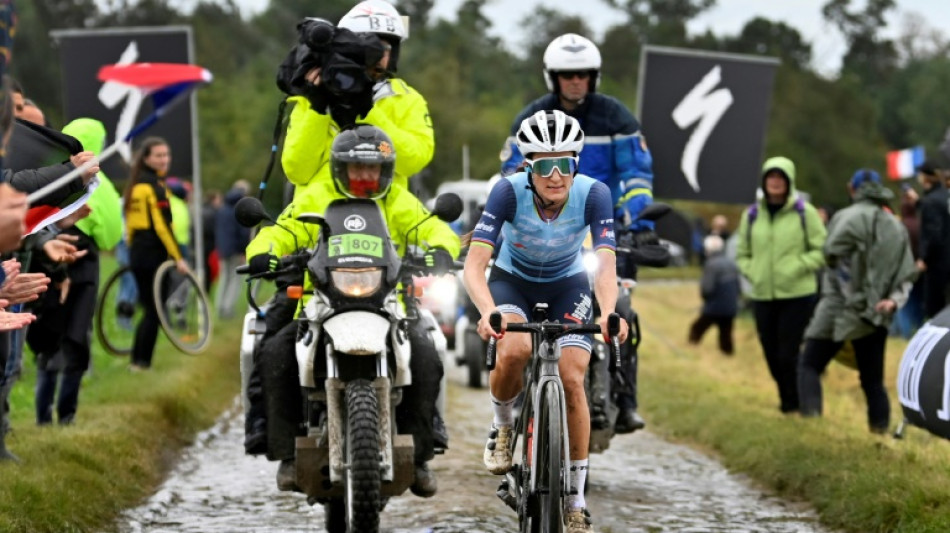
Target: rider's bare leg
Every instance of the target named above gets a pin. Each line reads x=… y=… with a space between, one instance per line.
x=512 y=354
x=573 y=364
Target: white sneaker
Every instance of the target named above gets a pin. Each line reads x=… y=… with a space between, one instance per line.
x=497 y=455
x=578 y=521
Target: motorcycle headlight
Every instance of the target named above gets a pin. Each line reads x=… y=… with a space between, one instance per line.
x=357 y=282
x=591 y=262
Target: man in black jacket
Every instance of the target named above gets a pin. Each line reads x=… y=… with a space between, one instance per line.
x=934 y=261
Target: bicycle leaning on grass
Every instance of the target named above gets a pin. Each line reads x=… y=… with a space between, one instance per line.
x=535 y=487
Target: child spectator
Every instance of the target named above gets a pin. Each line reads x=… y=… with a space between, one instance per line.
x=720 y=291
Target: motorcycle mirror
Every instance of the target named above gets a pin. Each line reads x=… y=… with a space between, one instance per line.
x=448 y=207
x=249 y=212
x=655 y=211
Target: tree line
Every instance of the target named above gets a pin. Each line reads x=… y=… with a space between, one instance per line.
x=888 y=95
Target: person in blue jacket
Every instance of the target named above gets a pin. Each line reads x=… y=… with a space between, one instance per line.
x=614 y=153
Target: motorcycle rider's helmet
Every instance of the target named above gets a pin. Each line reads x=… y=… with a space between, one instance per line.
x=381 y=18
x=363 y=144
x=571 y=53
x=549 y=131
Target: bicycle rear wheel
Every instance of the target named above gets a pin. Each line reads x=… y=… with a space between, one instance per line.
x=116 y=314
x=547 y=509
x=183 y=309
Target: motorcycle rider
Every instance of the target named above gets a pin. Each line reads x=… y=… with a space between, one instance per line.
x=362 y=165
x=397 y=109
x=616 y=154
x=544 y=214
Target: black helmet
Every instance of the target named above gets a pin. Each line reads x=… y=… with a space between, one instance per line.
x=362 y=144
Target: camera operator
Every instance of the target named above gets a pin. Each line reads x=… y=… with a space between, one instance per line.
x=336 y=77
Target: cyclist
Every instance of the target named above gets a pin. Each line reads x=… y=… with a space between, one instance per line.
x=543 y=215
x=397 y=109
x=362 y=164
x=615 y=153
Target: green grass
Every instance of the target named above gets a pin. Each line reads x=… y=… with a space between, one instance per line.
x=857 y=481
x=128 y=430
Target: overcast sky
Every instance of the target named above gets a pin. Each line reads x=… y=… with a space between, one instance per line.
x=726 y=19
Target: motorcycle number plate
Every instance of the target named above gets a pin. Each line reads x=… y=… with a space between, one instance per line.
x=355 y=244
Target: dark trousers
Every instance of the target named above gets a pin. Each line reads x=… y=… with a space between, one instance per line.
x=781 y=325
x=704 y=322
x=935 y=287
x=284 y=403
x=627 y=396
x=145 y=262
x=68 y=402
x=869 y=353
x=278 y=314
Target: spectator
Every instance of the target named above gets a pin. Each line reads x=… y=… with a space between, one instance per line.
x=869 y=275
x=209 y=211
x=32 y=113
x=910 y=317
x=934 y=260
x=230 y=240
x=779 y=251
x=179 y=201
x=61 y=338
x=720 y=291
x=149 y=233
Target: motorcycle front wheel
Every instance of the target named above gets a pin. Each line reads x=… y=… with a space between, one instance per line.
x=363 y=499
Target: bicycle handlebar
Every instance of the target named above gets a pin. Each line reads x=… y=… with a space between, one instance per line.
x=552 y=331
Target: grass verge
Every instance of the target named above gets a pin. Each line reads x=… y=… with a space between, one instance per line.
x=128 y=430
x=857 y=481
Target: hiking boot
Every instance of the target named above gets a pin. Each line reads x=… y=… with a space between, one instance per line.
x=578 y=521
x=629 y=421
x=287 y=475
x=425 y=485
x=497 y=455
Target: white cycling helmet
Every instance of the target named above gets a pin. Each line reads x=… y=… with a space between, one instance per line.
x=571 y=52
x=549 y=131
x=381 y=18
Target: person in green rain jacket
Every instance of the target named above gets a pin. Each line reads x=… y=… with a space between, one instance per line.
x=870 y=273
x=779 y=252
x=61 y=338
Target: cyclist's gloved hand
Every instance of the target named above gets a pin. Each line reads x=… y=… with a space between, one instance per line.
x=439 y=261
x=263 y=263
x=646 y=237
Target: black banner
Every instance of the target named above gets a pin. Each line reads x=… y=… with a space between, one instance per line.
x=120 y=108
x=704 y=115
x=923 y=381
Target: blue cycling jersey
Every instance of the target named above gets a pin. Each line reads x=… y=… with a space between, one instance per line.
x=614 y=153
x=537 y=249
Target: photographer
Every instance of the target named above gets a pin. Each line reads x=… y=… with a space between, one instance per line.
x=369 y=36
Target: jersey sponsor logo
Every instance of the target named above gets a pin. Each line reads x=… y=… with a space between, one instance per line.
x=581 y=310
x=484 y=227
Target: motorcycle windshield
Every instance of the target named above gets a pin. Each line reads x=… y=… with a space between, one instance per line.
x=358 y=238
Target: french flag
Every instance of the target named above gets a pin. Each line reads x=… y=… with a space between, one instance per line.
x=904 y=163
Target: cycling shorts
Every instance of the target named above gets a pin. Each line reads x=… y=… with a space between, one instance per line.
x=569 y=300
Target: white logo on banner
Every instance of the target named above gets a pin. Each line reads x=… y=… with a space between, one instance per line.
x=707 y=108
x=112 y=93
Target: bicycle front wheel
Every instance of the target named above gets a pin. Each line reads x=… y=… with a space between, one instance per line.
x=550 y=465
x=118 y=312
x=182 y=307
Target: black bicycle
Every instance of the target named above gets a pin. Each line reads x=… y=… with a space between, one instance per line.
x=536 y=486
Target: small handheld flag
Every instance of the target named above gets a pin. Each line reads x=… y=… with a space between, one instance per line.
x=904 y=163
x=165 y=83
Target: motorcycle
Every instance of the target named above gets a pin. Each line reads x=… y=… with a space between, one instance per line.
x=353 y=356
x=604 y=379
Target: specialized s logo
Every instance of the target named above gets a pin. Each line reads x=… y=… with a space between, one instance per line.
x=706 y=106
